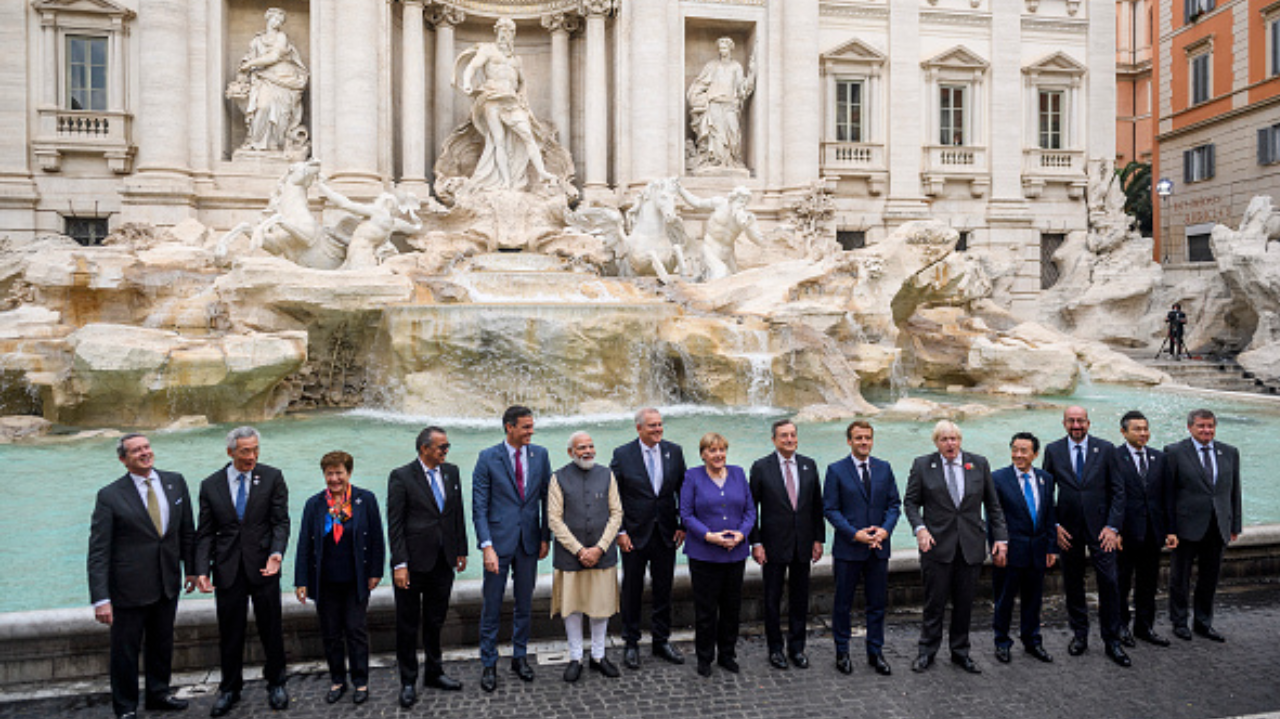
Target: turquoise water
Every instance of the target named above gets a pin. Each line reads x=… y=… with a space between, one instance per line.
x=52 y=487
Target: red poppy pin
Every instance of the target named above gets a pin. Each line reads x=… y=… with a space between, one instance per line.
x=968 y=465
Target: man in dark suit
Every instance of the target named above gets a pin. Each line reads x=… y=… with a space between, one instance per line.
x=947 y=492
x=1203 y=478
x=141 y=530
x=241 y=540
x=1142 y=471
x=1026 y=497
x=509 y=508
x=787 y=539
x=649 y=472
x=861 y=501
x=1090 y=510
x=427 y=531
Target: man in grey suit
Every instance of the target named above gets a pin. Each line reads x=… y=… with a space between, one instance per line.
x=1203 y=483
x=947 y=492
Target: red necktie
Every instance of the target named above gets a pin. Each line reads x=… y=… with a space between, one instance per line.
x=519 y=475
x=791 y=483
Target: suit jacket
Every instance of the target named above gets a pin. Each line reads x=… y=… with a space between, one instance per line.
x=849 y=509
x=497 y=511
x=1192 y=495
x=130 y=564
x=416 y=528
x=1144 y=499
x=226 y=544
x=365 y=526
x=959 y=533
x=787 y=533
x=642 y=510
x=1096 y=503
x=705 y=507
x=1030 y=542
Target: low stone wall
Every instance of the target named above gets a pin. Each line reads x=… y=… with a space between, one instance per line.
x=67 y=644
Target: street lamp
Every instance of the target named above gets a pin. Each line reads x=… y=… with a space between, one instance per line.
x=1164 y=188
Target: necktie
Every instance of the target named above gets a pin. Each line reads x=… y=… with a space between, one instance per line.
x=953 y=485
x=1079 y=463
x=242 y=494
x=153 y=508
x=651 y=460
x=435 y=489
x=791 y=482
x=520 y=475
x=866 y=478
x=1030 y=496
x=1207 y=461
x=1142 y=463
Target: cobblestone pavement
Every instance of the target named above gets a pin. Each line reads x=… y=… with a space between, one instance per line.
x=1196 y=679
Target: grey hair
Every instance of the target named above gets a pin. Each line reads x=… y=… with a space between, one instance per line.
x=573 y=438
x=240 y=433
x=1201 y=413
x=643 y=412
x=121 y=450
x=946 y=426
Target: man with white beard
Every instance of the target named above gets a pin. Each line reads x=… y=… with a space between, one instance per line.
x=584 y=512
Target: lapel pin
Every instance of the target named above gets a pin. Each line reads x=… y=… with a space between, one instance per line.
x=359 y=500
x=255 y=481
x=932 y=465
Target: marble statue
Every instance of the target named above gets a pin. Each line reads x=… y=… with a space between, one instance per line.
x=370 y=243
x=500 y=113
x=289 y=229
x=651 y=239
x=729 y=219
x=716 y=99
x=268 y=88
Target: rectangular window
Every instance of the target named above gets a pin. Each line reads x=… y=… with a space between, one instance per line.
x=952 y=120
x=1269 y=145
x=851 y=239
x=1197 y=163
x=88 y=231
x=1198 y=248
x=962 y=245
x=1193 y=9
x=1273 y=32
x=1051 y=119
x=1050 y=243
x=1200 y=90
x=849 y=111
x=86 y=73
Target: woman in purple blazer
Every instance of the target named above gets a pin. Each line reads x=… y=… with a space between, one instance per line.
x=718 y=513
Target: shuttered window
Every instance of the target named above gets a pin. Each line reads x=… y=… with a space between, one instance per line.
x=1200 y=78
x=1197 y=163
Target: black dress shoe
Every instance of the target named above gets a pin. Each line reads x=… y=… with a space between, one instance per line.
x=1116 y=654
x=799 y=660
x=1037 y=651
x=879 y=664
x=843 y=664
x=1126 y=638
x=1152 y=638
x=631 y=657
x=966 y=663
x=223 y=703
x=573 y=672
x=605 y=667
x=778 y=660
x=278 y=697
x=729 y=664
x=1003 y=656
x=667 y=651
x=360 y=696
x=335 y=693
x=489 y=679
x=168 y=703
x=520 y=665
x=922 y=663
x=408 y=696
x=443 y=681
x=1182 y=633
x=704 y=669
x=1078 y=646
x=1209 y=633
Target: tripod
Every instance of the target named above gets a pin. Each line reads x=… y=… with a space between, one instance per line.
x=1173 y=345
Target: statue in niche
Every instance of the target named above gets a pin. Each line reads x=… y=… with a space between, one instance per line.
x=729 y=219
x=716 y=99
x=268 y=89
x=370 y=242
x=513 y=138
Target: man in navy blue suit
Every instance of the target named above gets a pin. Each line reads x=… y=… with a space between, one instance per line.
x=509 y=510
x=860 y=499
x=1090 y=513
x=1141 y=468
x=1026 y=496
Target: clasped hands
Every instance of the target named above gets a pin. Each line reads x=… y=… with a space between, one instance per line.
x=590 y=556
x=871 y=536
x=1108 y=538
x=727 y=538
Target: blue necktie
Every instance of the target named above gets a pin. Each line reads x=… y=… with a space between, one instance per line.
x=1030 y=496
x=435 y=489
x=1080 y=463
x=241 y=495
x=653 y=469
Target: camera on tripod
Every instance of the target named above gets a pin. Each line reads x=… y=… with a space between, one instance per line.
x=1176 y=319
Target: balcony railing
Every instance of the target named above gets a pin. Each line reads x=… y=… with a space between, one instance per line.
x=956 y=162
x=84 y=131
x=856 y=159
x=1041 y=166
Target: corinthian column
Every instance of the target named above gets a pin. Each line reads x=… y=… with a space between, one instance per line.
x=596 y=126
x=560 y=25
x=356 y=117
x=161 y=127
x=444 y=18
x=413 y=89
